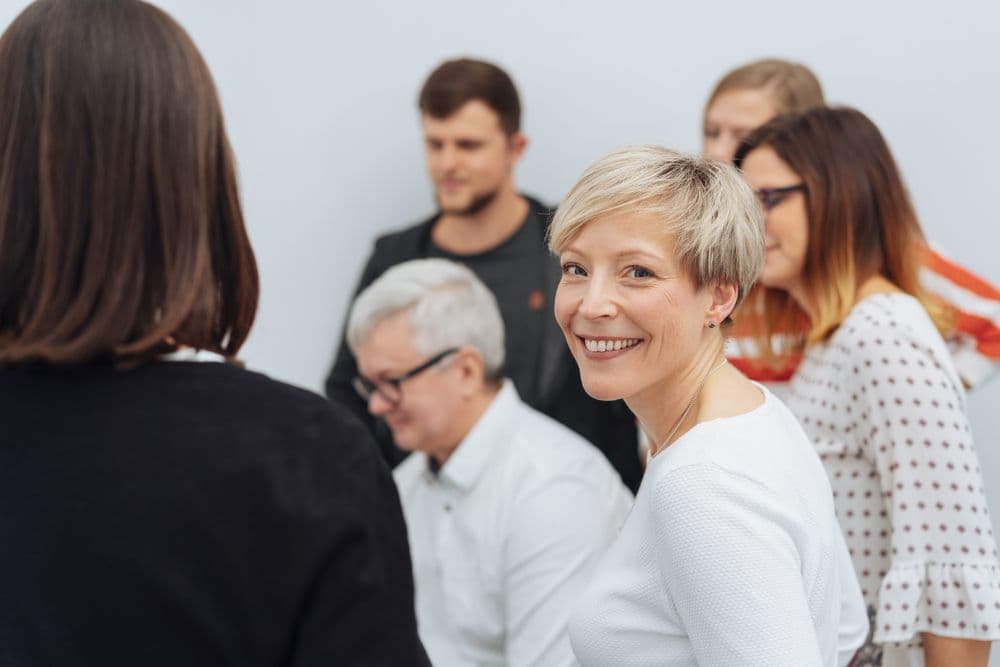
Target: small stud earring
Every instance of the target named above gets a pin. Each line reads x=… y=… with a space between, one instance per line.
x=711 y=325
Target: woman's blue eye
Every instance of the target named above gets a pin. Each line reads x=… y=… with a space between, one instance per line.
x=639 y=272
x=573 y=270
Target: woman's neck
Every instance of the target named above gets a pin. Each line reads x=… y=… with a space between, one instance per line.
x=660 y=408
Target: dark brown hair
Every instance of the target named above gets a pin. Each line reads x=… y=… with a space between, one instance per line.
x=121 y=234
x=861 y=221
x=456 y=82
x=790 y=86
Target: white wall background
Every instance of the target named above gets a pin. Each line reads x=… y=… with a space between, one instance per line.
x=320 y=104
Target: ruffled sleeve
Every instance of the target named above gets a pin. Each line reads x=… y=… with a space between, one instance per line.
x=949 y=599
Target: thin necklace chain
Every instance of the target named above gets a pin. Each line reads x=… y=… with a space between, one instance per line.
x=694 y=397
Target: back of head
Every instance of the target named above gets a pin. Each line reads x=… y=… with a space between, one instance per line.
x=448 y=306
x=121 y=234
x=790 y=86
x=860 y=218
x=456 y=82
x=703 y=204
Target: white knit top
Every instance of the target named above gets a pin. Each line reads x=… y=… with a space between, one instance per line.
x=731 y=556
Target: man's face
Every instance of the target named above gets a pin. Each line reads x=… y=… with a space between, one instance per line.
x=424 y=417
x=470 y=159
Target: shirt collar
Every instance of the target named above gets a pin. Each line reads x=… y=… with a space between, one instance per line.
x=465 y=465
x=191 y=354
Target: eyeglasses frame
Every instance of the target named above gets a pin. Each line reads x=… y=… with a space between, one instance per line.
x=366 y=388
x=771 y=197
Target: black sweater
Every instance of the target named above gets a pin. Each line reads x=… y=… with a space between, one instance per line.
x=194 y=514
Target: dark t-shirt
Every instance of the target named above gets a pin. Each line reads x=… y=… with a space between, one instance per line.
x=194 y=514
x=516 y=277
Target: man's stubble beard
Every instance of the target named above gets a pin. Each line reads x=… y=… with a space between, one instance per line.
x=475 y=206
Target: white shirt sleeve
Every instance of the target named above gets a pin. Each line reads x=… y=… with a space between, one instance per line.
x=559 y=533
x=728 y=560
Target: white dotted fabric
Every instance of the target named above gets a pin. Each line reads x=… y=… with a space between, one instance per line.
x=883 y=405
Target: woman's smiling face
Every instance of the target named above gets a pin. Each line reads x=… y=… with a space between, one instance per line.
x=632 y=317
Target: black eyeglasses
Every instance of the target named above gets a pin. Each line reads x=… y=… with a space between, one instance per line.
x=771 y=197
x=389 y=388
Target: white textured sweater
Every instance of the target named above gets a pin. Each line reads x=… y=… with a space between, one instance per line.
x=731 y=555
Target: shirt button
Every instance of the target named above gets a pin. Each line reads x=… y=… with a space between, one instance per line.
x=447 y=508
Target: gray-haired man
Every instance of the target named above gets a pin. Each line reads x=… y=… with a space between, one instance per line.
x=507 y=510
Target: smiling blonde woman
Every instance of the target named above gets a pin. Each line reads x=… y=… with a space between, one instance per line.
x=732 y=554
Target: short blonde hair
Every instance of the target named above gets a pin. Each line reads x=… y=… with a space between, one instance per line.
x=711 y=214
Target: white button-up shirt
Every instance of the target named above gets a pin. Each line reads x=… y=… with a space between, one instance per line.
x=506 y=535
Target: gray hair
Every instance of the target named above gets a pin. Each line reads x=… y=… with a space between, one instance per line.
x=712 y=215
x=448 y=305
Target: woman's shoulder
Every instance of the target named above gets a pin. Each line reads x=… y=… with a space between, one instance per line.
x=891 y=333
x=887 y=314
x=760 y=449
x=232 y=388
x=219 y=402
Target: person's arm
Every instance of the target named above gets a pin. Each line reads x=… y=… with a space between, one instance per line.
x=359 y=608
x=975 y=308
x=730 y=567
x=338 y=382
x=948 y=652
x=558 y=533
x=339 y=387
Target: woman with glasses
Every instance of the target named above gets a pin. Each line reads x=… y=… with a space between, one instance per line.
x=161 y=505
x=752 y=94
x=876 y=391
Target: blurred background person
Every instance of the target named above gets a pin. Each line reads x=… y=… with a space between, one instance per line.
x=876 y=391
x=471 y=119
x=161 y=506
x=749 y=96
x=732 y=554
x=508 y=511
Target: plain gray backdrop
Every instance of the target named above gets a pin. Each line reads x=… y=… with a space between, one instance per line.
x=319 y=99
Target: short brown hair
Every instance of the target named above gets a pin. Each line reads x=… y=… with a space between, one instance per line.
x=455 y=82
x=860 y=218
x=790 y=86
x=121 y=234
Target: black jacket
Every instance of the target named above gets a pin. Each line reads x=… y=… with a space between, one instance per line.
x=557 y=391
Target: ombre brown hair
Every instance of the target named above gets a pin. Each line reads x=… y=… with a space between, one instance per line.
x=121 y=233
x=861 y=221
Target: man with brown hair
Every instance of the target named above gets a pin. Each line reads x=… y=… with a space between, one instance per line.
x=471 y=118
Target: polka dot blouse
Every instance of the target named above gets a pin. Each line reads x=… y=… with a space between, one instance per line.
x=885 y=410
